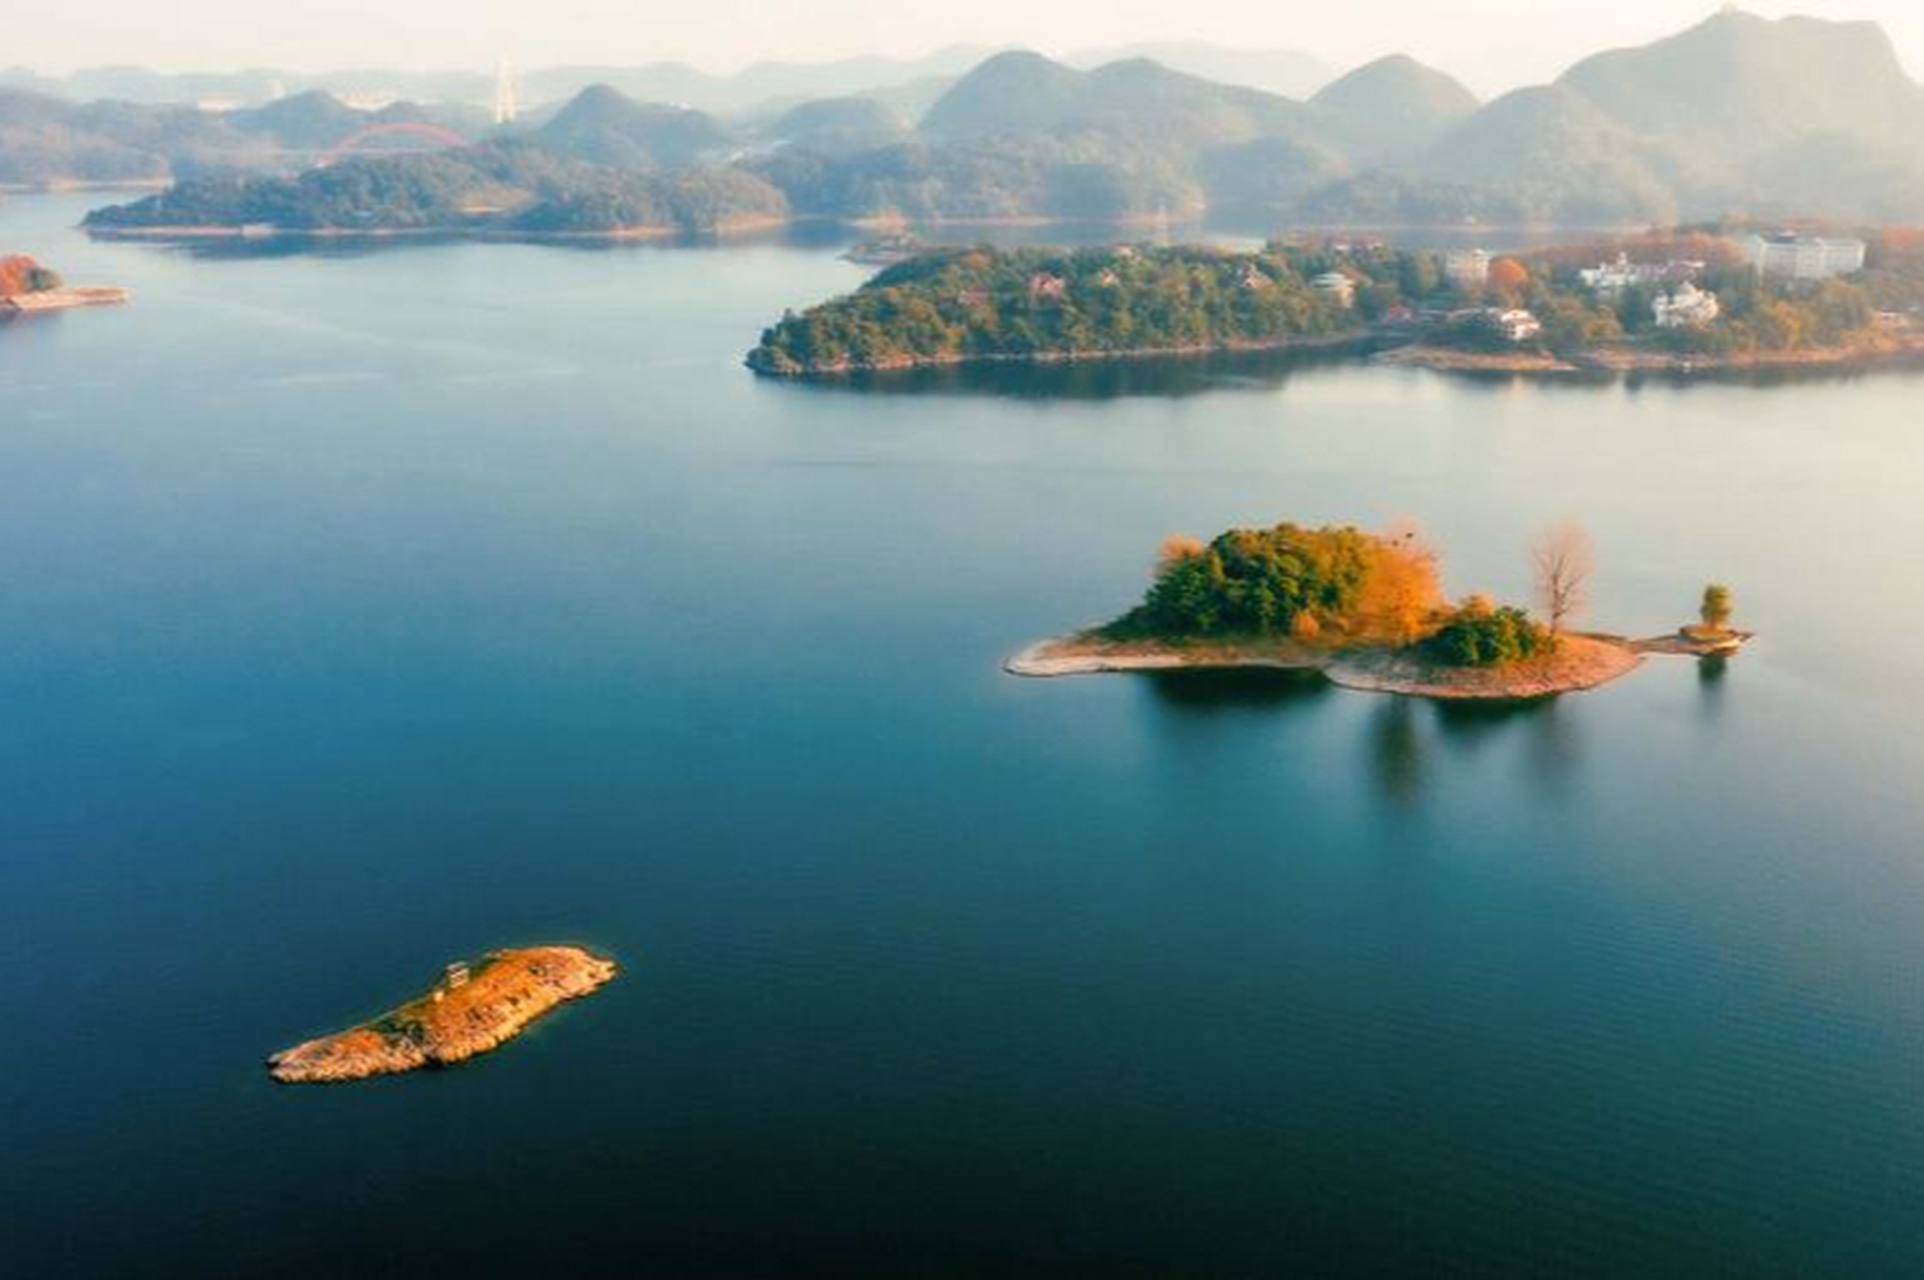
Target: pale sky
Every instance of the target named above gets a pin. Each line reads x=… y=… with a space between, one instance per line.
x=1494 y=44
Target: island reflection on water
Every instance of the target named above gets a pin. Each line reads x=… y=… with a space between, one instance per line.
x=362 y=616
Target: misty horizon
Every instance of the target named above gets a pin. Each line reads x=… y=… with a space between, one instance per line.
x=1492 y=45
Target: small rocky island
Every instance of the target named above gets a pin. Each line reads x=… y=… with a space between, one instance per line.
x=474 y=1008
x=27 y=288
x=1369 y=613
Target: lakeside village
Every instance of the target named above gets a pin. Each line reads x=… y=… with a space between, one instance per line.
x=1686 y=299
x=1670 y=287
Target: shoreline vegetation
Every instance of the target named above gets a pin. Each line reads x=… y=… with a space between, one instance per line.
x=1689 y=303
x=189 y=232
x=473 y=1009
x=1367 y=613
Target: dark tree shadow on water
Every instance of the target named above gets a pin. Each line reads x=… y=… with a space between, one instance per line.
x=1712 y=672
x=1398 y=756
x=1552 y=756
x=1404 y=758
x=1204 y=693
x=1172 y=377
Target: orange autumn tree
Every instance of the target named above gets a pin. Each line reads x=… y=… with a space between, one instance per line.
x=1175 y=549
x=1402 y=593
x=1508 y=279
x=21 y=274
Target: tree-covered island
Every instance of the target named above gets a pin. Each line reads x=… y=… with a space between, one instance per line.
x=510 y=189
x=1677 y=300
x=984 y=304
x=1369 y=612
x=26 y=287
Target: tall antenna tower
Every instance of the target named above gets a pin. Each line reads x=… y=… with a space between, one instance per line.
x=505 y=107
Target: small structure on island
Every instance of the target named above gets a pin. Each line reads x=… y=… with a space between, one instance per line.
x=1255 y=279
x=1789 y=256
x=1514 y=325
x=1611 y=280
x=1468 y=268
x=1047 y=285
x=1687 y=308
x=1337 y=287
x=453 y=978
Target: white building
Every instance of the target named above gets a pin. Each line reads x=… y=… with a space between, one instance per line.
x=1469 y=268
x=1688 y=308
x=1611 y=280
x=1793 y=257
x=1337 y=287
x=1515 y=326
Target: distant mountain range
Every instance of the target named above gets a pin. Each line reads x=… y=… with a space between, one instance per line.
x=764 y=88
x=1796 y=116
x=1288 y=73
x=1775 y=119
x=50 y=141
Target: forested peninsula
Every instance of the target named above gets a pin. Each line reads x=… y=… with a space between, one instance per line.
x=986 y=304
x=515 y=188
x=1685 y=299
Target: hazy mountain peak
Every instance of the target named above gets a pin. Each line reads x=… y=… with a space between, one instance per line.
x=1010 y=92
x=1393 y=106
x=1741 y=81
x=1287 y=72
x=602 y=125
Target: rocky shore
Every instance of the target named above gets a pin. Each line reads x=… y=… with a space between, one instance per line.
x=63 y=300
x=473 y=1009
x=1089 y=654
x=1464 y=360
x=1605 y=361
x=1581 y=662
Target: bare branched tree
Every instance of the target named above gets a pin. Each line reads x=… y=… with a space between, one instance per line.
x=1564 y=559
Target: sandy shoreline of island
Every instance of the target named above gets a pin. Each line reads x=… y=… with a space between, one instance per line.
x=1882 y=348
x=1580 y=663
x=64 y=299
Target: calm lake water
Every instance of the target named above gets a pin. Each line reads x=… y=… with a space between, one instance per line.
x=364 y=610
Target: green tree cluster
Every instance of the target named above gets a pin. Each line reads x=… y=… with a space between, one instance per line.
x=1256 y=582
x=1717 y=607
x=986 y=303
x=514 y=186
x=1487 y=637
